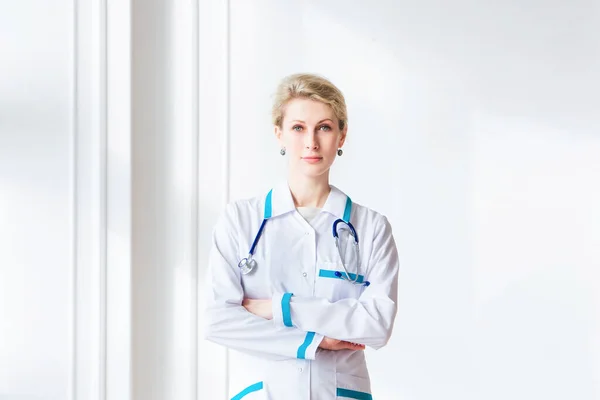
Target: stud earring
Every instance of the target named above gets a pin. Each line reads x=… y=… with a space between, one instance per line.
x=282 y=151
x=340 y=152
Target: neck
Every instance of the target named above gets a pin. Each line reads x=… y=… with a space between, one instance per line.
x=309 y=191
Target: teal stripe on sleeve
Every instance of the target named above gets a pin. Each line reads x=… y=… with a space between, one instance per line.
x=285 y=309
x=252 y=388
x=307 y=341
x=353 y=394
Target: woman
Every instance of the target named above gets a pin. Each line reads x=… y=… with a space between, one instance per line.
x=297 y=311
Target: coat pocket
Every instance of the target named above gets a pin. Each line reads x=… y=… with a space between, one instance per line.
x=352 y=387
x=330 y=282
x=255 y=391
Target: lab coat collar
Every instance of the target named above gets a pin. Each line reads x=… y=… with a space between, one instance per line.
x=282 y=201
x=336 y=202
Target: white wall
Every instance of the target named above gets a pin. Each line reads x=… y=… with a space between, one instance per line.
x=36 y=200
x=65 y=200
x=473 y=127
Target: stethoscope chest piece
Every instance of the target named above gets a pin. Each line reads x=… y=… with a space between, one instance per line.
x=247 y=265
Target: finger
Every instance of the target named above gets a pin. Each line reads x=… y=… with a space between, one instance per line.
x=356 y=346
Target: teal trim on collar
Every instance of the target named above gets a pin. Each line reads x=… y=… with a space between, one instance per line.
x=269 y=205
x=347 y=210
x=283 y=202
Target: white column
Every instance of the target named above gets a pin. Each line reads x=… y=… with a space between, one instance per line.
x=91 y=201
x=119 y=178
x=103 y=204
x=164 y=199
x=213 y=166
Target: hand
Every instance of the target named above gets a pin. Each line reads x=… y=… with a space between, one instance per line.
x=261 y=308
x=335 y=344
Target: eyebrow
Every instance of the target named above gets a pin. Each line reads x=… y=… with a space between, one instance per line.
x=323 y=120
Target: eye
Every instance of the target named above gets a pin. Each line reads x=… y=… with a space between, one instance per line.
x=297 y=128
x=325 y=128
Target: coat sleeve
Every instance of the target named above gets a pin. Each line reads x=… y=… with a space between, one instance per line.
x=227 y=322
x=367 y=320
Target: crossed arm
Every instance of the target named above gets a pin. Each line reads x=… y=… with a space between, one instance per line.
x=258 y=326
x=264 y=309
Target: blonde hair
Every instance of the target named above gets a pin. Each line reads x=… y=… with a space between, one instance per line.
x=309 y=86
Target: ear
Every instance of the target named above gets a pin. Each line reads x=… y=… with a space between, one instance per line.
x=343 y=136
x=277 y=132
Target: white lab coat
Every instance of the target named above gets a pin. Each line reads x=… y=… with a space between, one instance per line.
x=275 y=361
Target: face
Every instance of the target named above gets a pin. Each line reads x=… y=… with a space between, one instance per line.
x=311 y=136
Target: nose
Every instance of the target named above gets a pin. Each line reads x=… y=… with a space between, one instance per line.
x=310 y=142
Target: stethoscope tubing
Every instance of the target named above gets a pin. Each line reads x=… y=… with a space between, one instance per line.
x=247 y=264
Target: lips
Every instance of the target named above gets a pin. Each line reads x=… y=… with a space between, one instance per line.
x=312 y=160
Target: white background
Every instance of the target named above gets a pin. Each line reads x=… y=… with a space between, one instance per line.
x=36 y=298
x=473 y=127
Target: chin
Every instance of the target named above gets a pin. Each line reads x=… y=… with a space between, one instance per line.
x=313 y=171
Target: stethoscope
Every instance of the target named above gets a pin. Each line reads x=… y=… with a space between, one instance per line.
x=248 y=264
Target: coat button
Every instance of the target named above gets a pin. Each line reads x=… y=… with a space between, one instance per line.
x=304 y=274
x=300 y=369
